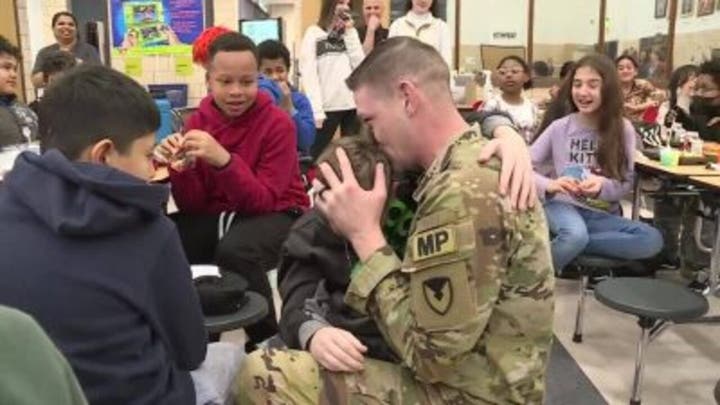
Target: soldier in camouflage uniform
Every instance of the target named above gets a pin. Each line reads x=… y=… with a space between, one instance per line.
x=469 y=308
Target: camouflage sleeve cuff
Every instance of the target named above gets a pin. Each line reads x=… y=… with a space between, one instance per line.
x=308 y=329
x=493 y=121
x=372 y=271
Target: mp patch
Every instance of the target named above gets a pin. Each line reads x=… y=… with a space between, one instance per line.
x=435 y=242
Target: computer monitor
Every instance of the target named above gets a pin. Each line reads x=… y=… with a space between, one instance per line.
x=263 y=29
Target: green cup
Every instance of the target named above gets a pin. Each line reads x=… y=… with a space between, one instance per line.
x=669 y=157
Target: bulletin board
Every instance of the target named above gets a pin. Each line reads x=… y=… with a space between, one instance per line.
x=491 y=55
x=155 y=27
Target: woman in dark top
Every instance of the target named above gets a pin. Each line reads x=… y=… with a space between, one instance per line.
x=64 y=25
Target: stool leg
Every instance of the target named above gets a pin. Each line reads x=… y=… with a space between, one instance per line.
x=640 y=362
x=577 y=336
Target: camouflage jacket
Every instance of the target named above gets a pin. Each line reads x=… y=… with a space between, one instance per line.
x=469 y=309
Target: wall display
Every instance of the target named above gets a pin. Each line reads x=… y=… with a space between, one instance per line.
x=152 y=27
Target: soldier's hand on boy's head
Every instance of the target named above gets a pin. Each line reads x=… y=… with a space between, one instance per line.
x=201 y=145
x=337 y=350
x=516 y=173
x=353 y=211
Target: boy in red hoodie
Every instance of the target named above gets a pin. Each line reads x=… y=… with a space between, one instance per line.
x=237 y=159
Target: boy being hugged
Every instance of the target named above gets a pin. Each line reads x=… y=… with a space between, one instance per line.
x=235 y=169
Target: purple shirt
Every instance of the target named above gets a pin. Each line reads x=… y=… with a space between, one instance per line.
x=568 y=148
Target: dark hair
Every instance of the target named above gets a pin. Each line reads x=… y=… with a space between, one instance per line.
x=565 y=68
x=56 y=62
x=522 y=63
x=7 y=48
x=396 y=57
x=327 y=13
x=363 y=153
x=627 y=57
x=541 y=68
x=59 y=14
x=712 y=68
x=559 y=106
x=231 y=42
x=434 y=8
x=610 y=153
x=272 y=49
x=92 y=103
x=678 y=78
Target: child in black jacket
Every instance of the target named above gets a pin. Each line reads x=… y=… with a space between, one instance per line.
x=316 y=263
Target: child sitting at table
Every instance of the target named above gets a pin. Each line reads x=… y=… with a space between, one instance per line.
x=18 y=123
x=514 y=76
x=235 y=175
x=591 y=152
x=88 y=252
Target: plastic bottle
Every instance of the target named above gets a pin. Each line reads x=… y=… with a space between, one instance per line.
x=165 y=118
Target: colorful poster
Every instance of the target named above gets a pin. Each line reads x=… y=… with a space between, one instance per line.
x=184 y=65
x=133 y=66
x=155 y=27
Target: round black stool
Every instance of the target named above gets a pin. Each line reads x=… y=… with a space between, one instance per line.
x=591 y=266
x=654 y=302
x=255 y=309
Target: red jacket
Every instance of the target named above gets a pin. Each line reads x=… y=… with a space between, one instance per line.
x=263 y=175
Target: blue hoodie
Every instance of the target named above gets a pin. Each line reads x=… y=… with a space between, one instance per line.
x=303 y=116
x=304 y=121
x=87 y=251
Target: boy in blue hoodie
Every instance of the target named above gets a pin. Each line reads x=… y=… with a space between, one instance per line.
x=274 y=60
x=88 y=252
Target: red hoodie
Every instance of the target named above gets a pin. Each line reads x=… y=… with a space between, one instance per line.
x=263 y=175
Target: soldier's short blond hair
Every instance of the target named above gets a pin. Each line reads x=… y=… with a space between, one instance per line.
x=401 y=57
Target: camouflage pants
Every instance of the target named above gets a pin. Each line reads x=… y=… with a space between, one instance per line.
x=288 y=377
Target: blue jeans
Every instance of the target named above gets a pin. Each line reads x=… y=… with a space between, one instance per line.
x=578 y=230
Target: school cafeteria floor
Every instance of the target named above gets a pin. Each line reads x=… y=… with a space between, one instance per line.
x=682 y=364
